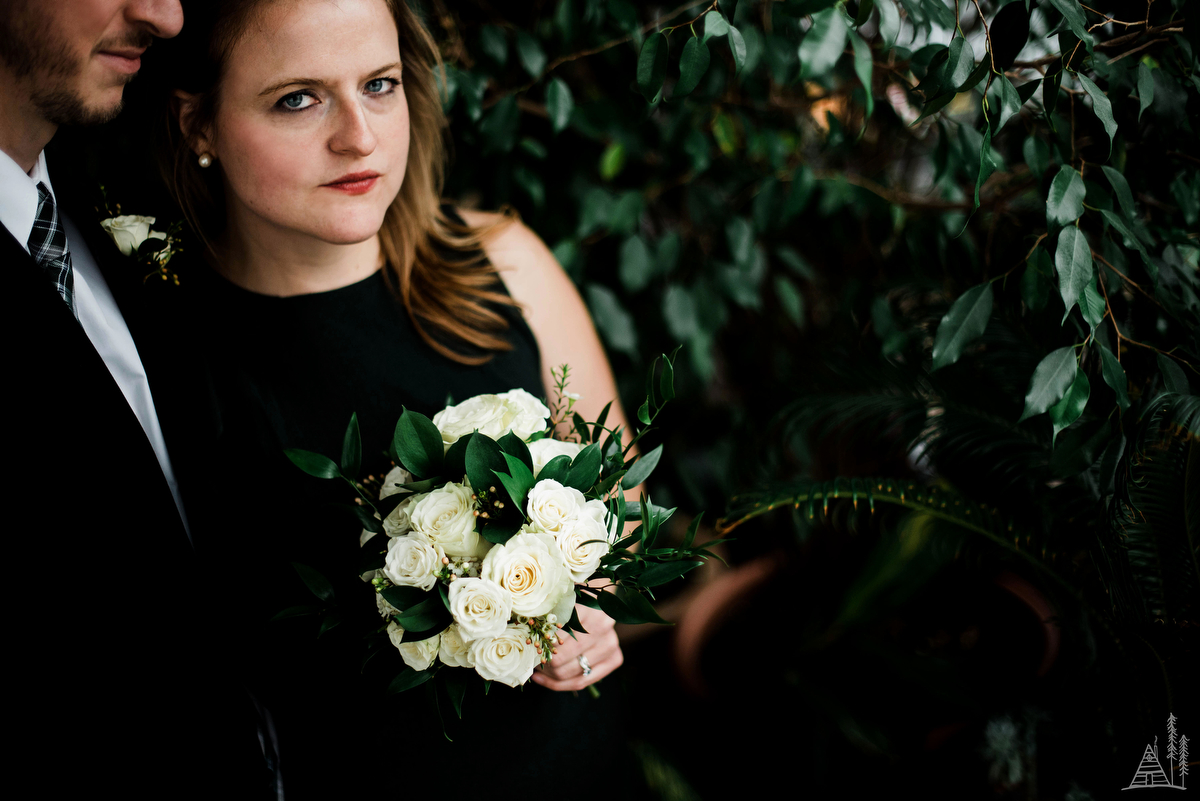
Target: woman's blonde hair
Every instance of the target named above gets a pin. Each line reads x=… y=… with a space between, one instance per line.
x=434 y=264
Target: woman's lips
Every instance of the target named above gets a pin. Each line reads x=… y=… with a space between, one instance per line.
x=125 y=61
x=357 y=183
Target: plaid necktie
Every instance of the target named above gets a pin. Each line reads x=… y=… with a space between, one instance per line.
x=48 y=246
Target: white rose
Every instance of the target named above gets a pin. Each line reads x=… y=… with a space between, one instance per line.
x=397 y=475
x=412 y=561
x=533 y=570
x=446 y=518
x=129 y=231
x=419 y=655
x=546 y=449
x=395 y=633
x=399 y=520
x=508 y=658
x=583 y=542
x=454 y=650
x=550 y=504
x=493 y=416
x=480 y=608
x=386 y=610
x=598 y=511
x=527 y=414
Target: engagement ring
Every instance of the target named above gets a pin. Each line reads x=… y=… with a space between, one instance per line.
x=583 y=663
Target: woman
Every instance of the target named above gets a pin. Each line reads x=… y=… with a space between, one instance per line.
x=305 y=148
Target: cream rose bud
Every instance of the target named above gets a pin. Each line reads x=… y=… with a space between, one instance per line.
x=419 y=655
x=454 y=650
x=399 y=520
x=507 y=658
x=412 y=561
x=481 y=608
x=532 y=569
x=583 y=543
x=446 y=518
x=397 y=475
x=527 y=414
x=129 y=231
x=544 y=450
x=550 y=504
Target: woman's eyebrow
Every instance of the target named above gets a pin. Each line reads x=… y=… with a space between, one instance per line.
x=275 y=87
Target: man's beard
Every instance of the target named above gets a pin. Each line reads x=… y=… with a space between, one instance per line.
x=40 y=57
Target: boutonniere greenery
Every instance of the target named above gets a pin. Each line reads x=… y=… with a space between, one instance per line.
x=134 y=237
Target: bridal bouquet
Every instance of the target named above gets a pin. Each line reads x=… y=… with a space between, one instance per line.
x=493 y=524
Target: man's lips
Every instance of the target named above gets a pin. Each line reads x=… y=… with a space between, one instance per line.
x=356 y=183
x=128 y=60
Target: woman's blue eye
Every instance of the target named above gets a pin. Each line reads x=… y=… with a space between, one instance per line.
x=296 y=101
x=380 y=85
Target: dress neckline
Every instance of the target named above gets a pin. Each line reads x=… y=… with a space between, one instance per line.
x=232 y=289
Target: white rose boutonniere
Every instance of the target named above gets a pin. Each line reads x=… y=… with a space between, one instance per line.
x=481 y=608
x=129 y=231
x=508 y=658
x=532 y=569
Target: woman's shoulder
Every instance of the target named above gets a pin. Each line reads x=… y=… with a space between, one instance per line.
x=529 y=270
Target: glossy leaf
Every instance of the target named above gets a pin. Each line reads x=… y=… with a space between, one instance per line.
x=824 y=43
x=737 y=46
x=652 y=66
x=715 y=25
x=1101 y=106
x=1145 y=89
x=862 y=68
x=987 y=163
x=1068 y=410
x=960 y=62
x=418 y=444
x=499 y=128
x=642 y=468
x=556 y=469
x=1064 y=205
x=1128 y=235
x=530 y=54
x=1174 y=379
x=316 y=582
x=482 y=459
x=962 y=324
x=1091 y=303
x=1075 y=19
x=313 y=463
x=407 y=679
x=351 y=448
x=1114 y=376
x=1038 y=280
x=889 y=22
x=1050 y=380
x=1010 y=101
x=517 y=481
x=1073 y=262
x=559 y=103
x=1121 y=190
x=1037 y=155
x=692 y=66
x=585 y=468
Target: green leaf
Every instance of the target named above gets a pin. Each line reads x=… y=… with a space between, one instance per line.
x=615 y=323
x=1064 y=205
x=666 y=382
x=1101 y=106
x=1037 y=155
x=1050 y=95
x=1010 y=101
x=494 y=43
x=351 y=449
x=637 y=603
x=1174 y=379
x=424 y=616
x=864 y=12
x=1114 y=376
x=559 y=104
x=556 y=469
x=598 y=428
x=636 y=264
x=1027 y=90
x=1091 y=303
x=1121 y=190
x=404 y=598
x=457 y=680
x=612 y=606
x=1122 y=227
x=501 y=531
x=482 y=459
x=512 y=444
x=1075 y=20
x=612 y=161
x=692 y=66
x=642 y=468
x=663 y=572
x=1038 y=280
x=963 y=324
x=499 y=128
x=1073 y=261
x=408 y=679
x=987 y=163
x=313 y=463
x=862 y=68
x=1050 y=380
x=1145 y=89
x=418 y=444
x=690 y=537
x=715 y=25
x=316 y=582
x=960 y=62
x=824 y=43
x=1068 y=410
x=517 y=481
x=296 y=611
x=652 y=66
x=643 y=412
x=530 y=53
x=585 y=468
x=737 y=46
x=889 y=23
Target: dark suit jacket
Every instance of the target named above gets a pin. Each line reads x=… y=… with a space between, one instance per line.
x=116 y=676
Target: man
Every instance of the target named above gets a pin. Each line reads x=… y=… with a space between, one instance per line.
x=116 y=679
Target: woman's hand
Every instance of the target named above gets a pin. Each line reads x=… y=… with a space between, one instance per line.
x=599 y=645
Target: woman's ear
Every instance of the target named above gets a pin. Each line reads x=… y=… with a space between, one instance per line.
x=185 y=106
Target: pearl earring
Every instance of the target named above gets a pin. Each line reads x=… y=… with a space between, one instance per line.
x=205 y=160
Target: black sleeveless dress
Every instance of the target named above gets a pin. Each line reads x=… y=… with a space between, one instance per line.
x=288 y=372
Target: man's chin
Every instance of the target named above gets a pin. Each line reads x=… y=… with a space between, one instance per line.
x=67 y=108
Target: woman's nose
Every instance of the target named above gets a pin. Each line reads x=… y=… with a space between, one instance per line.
x=352 y=134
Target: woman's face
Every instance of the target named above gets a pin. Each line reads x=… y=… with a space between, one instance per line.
x=312 y=130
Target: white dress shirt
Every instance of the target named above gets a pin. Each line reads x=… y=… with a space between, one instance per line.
x=94 y=303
